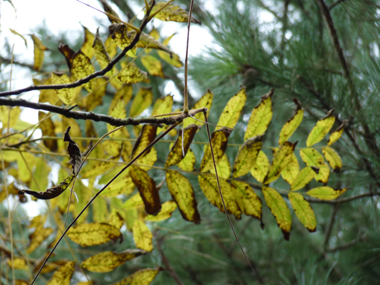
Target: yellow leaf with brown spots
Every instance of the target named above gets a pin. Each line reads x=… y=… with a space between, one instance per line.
x=93 y=234
x=188 y=162
x=166 y=212
x=142 y=236
x=246 y=158
x=62 y=276
x=100 y=52
x=67 y=95
x=261 y=167
x=141 y=277
x=172 y=13
x=290 y=172
x=18 y=263
x=313 y=158
x=152 y=65
x=146 y=136
x=223 y=167
x=81 y=68
x=249 y=203
x=303 y=178
x=337 y=133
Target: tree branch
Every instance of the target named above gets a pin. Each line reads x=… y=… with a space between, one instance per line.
x=335 y=4
x=79 y=115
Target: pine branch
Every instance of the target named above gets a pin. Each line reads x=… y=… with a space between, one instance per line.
x=335 y=4
x=79 y=115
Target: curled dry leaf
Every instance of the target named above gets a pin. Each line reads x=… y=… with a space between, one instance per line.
x=74 y=152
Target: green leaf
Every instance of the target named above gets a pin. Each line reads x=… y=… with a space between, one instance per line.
x=303 y=178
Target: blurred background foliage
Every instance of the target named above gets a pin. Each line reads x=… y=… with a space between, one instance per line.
x=288 y=45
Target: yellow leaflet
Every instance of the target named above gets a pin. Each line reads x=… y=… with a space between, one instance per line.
x=261 y=167
x=172 y=13
x=337 y=133
x=292 y=124
x=260 y=117
x=62 y=276
x=313 y=158
x=280 y=211
x=232 y=111
x=111 y=47
x=67 y=95
x=96 y=97
x=153 y=33
x=290 y=172
x=20 y=35
x=146 y=136
x=325 y=193
x=81 y=68
x=109 y=260
x=37 y=221
x=165 y=213
x=47 y=95
x=219 y=141
x=142 y=236
x=39 y=50
x=87 y=43
x=147 y=161
x=37 y=237
x=173 y=59
x=188 y=162
x=93 y=234
x=120 y=186
x=48 y=129
x=100 y=51
x=162 y=105
x=303 y=211
x=147 y=189
x=249 y=203
x=246 y=158
x=41 y=174
x=321 y=129
x=23 y=171
x=304 y=176
x=153 y=65
x=280 y=160
x=116 y=219
x=209 y=186
x=204 y=102
x=18 y=263
x=14 y=116
x=332 y=157
x=98 y=168
x=113 y=148
x=176 y=152
x=141 y=277
x=143 y=99
x=183 y=194
x=134 y=202
x=117 y=112
x=223 y=167
x=100 y=211
x=124 y=94
x=84 y=195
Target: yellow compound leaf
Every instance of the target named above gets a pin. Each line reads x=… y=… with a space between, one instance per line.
x=123 y=37
x=98 y=91
x=223 y=167
x=172 y=59
x=143 y=99
x=332 y=157
x=321 y=129
x=18 y=263
x=260 y=117
x=37 y=237
x=14 y=115
x=188 y=162
x=261 y=167
x=81 y=68
x=147 y=189
x=93 y=234
x=280 y=211
x=303 y=211
x=146 y=136
x=325 y=193
x=67 y=95
x=142 y=236
x=249 y=203
x=204 y=102
x=48 y=129
x=313 y=158
x=39 y=52
x=280 y=160
x=172 y=13
x=180 y=147
x=120 y=186
x=166 y=212
x=246 y=158
x=87 y=43
x=134 y=202
x=153 y=65
x=183 y=194
x=100 y=52
x=209 y=186
x=141 y=277
x=232 y=111
x=219 y=141
x=303 y=178
x=117 y=112
x=292 y=124
x=337 y=133
x=290 y=172
x=109 y=260
x=62 y=275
